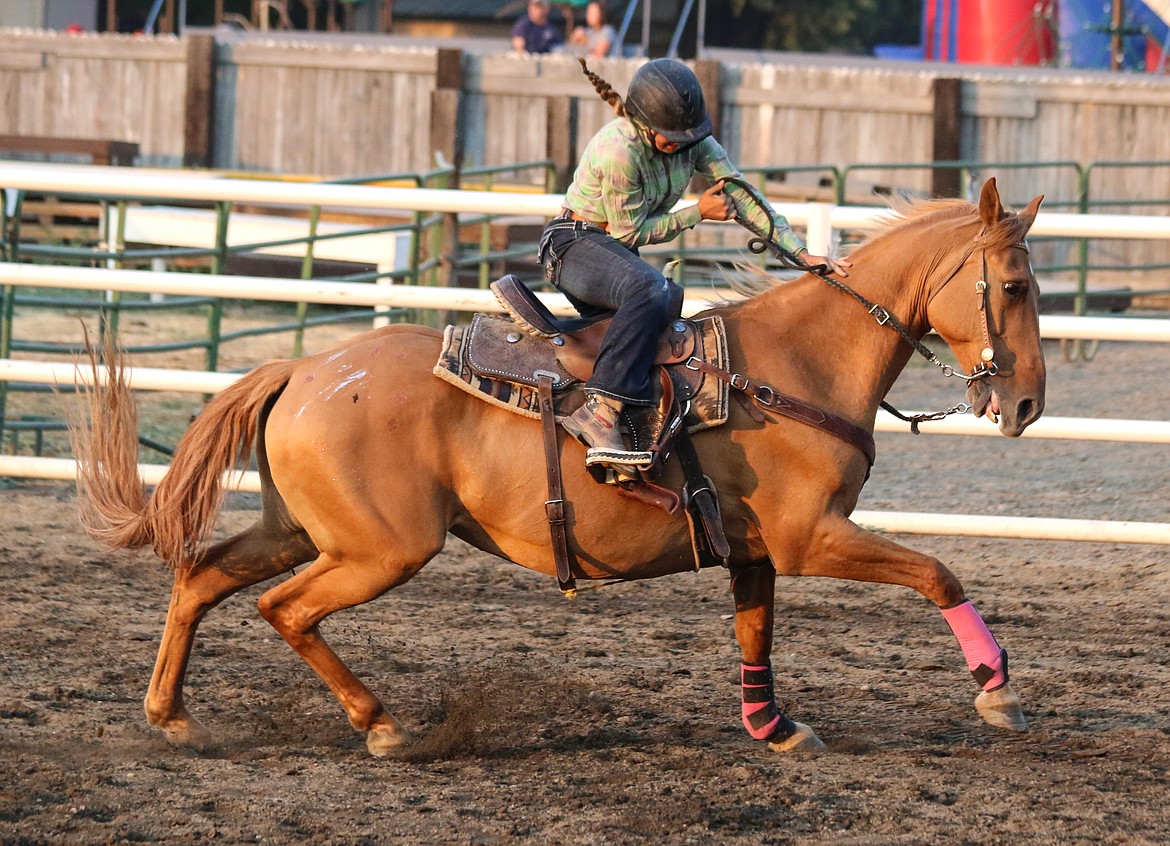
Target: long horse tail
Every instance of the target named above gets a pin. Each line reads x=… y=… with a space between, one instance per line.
x=177 y=519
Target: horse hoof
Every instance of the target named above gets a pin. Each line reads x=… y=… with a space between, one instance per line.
x=1001 y=708
x=383 y=740
x=189 y=733
x=804 y=739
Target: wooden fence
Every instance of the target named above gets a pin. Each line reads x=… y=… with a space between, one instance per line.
x=342 y=109
x=376 y=107
x=335 y=110
x=150 y=91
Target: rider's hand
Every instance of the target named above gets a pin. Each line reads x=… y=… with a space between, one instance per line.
x=837 y=266
x=715 y=205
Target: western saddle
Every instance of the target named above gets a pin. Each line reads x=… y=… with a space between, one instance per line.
x=557 y=355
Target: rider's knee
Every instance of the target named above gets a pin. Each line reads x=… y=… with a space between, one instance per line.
x=657 y=295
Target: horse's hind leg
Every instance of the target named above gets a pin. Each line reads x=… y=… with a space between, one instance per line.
x=256 y=554
x=296 y=607
x=843 y=550
x=755 y=590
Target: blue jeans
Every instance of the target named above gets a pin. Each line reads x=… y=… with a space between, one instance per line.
x=600 y=275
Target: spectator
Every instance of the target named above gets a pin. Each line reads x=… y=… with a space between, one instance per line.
x=533 y=33
x=595 y=39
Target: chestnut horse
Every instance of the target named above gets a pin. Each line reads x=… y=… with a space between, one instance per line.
x=368 y=461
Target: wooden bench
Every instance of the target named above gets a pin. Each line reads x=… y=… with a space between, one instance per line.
x=98 y=151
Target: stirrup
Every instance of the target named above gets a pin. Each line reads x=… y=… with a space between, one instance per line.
x=623 y=457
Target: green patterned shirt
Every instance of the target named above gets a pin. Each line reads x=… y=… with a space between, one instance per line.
x=626 y=183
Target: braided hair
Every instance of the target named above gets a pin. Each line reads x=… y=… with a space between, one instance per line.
x=604 y=90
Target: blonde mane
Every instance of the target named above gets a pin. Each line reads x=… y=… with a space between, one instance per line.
x=951 y=216
x=950 y=220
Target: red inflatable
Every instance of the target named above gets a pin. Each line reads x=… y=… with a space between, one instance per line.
x=989 y=32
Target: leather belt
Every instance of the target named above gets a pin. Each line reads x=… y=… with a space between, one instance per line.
x=572 y=215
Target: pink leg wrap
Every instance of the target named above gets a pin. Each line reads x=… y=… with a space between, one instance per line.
x=760 y=715
x=985 y=659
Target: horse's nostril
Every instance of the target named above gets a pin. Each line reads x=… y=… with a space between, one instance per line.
x=1024 y=410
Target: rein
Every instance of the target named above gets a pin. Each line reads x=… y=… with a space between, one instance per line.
x=987 y=366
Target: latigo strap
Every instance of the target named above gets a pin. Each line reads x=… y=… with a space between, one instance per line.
x=554 y=506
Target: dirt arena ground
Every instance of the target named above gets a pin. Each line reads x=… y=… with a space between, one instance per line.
x=613 y=719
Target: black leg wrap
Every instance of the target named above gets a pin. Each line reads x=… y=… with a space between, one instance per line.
x=755 y=695
x=757 y=689
x=785 y=730
x=758 y=719
x=757 y=677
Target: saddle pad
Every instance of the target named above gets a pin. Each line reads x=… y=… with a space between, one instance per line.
x=490 y=382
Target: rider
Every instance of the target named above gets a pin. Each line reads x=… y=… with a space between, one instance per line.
x=631 y=175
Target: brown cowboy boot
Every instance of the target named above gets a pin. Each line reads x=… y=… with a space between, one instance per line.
x=596 y=424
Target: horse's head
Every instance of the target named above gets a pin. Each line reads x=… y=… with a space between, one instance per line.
x=987 y=310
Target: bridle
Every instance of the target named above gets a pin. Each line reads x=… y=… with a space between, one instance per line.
x=987 y=366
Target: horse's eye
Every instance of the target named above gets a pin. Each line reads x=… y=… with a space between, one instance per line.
x=1015 y=290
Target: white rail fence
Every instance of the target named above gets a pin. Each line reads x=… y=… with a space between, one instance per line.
x=1144 y=431
x=323 y=292
x=821 y=220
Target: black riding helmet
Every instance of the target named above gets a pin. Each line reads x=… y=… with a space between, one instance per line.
x=666 y=97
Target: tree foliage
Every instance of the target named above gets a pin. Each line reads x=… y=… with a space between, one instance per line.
x=812 y=26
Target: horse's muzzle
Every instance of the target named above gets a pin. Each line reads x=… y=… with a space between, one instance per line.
x=1020 y=416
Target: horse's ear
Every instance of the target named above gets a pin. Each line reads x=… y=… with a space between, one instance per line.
x=1028 y=215
x=990 y=208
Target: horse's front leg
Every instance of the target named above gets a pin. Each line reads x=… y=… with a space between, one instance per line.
x=754 y=589
x=843 y=550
